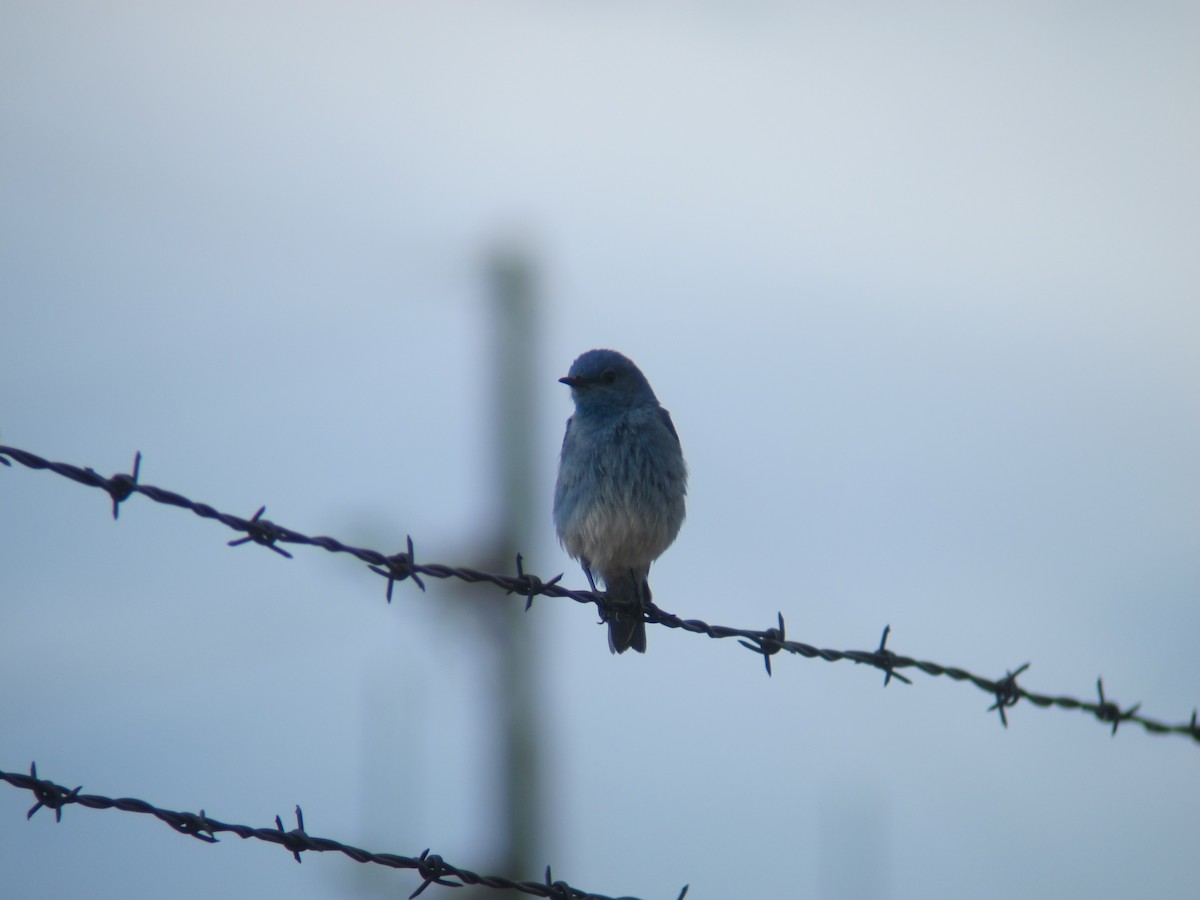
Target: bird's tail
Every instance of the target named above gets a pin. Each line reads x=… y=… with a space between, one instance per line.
x=626 y=626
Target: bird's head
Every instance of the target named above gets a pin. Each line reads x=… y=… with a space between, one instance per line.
x=605 y=380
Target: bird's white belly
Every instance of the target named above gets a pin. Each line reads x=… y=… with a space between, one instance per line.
x=618 y=536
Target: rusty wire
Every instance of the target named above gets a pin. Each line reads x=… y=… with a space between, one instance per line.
x=397 y=567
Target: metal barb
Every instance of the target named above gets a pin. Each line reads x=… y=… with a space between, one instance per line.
x=529 y=585
x=194 y=826
x=262 y=531
x=768 y=643
x=122 y=486
x=558 y=890
x=49 y=795
x=1107 y=712
x=399 y=567
x=885 y=659
x=1007 y=693
x=295 y=840
x=433 y=870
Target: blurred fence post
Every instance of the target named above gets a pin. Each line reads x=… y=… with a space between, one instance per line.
x=513 y=297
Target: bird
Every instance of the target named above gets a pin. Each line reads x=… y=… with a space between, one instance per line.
x=622 y=480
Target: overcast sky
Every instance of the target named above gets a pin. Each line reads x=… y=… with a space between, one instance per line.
x=920 y=289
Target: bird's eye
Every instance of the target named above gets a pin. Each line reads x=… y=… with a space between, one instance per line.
x=609 y=376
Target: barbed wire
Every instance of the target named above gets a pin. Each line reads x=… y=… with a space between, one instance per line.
x=398 y=567
x=432 y=868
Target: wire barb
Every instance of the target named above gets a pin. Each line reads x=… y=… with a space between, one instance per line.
x=557 y=890
x=194 y=826
x=769 y=643
x=295 y=840
x=885 y=659
x=121 y=486
x=399 y=567
x=50 y=795
x=433 y=870
x=261 y=531
x=1007 y=693
x=529 y=585
x=1108 y=711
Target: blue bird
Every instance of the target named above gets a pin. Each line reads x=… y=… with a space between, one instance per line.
x=618 y=502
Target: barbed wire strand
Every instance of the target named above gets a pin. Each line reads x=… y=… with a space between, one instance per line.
x=431 y=867
x=401 y=566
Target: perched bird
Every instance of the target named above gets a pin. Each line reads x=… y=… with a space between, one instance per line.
x=618 y=503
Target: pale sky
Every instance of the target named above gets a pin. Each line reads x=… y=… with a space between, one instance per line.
x=920 y=290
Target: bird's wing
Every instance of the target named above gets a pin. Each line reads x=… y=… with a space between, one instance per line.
x=666 y=417
x=567 y=433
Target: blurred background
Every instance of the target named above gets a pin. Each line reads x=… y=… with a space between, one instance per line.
x=919 y=288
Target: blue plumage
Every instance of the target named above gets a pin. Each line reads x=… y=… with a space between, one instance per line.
x=619 y=499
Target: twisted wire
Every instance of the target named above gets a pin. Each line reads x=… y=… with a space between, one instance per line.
x=431 y=867
x=768 y=643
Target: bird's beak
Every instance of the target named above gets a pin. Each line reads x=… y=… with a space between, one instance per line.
x=570 y=380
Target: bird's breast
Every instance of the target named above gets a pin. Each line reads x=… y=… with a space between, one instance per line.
x=620 y=498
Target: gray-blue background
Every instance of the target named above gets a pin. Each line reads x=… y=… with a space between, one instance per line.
x=919 y=287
